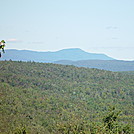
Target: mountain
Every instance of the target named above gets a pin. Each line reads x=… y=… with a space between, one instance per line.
x=47 y=98
x=73 y=54
x=110 y=65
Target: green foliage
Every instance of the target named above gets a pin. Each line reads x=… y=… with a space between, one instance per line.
x=49 y=98
x=111 y=124
x=20 y=130
x=72 y=127
x=111 y=118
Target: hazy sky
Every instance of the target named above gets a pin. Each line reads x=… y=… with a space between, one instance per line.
x=100 y=26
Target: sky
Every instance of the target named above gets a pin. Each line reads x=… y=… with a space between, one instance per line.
x=95 y=26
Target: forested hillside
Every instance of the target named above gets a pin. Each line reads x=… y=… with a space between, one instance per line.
x=46 y=98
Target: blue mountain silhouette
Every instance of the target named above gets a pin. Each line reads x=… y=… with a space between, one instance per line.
x=73 y=54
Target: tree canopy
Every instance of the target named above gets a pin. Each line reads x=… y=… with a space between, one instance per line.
x=51 y=98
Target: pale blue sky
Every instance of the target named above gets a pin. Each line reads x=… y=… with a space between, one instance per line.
x=99 y=26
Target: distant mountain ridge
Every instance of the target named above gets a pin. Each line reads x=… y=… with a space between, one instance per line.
x=73 y=54
x=110 y=65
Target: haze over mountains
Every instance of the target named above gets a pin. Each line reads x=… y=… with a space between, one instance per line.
x=110 y=65
x=72 y=56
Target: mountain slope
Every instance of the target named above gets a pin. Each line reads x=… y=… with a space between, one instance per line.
x=54 y=99
x=65 y=54
x=111 y=65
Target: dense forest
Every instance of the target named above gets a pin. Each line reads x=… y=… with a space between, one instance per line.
x=46 y=98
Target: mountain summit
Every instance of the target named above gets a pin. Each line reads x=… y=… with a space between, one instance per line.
x=73 y=54
x=78 y=54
